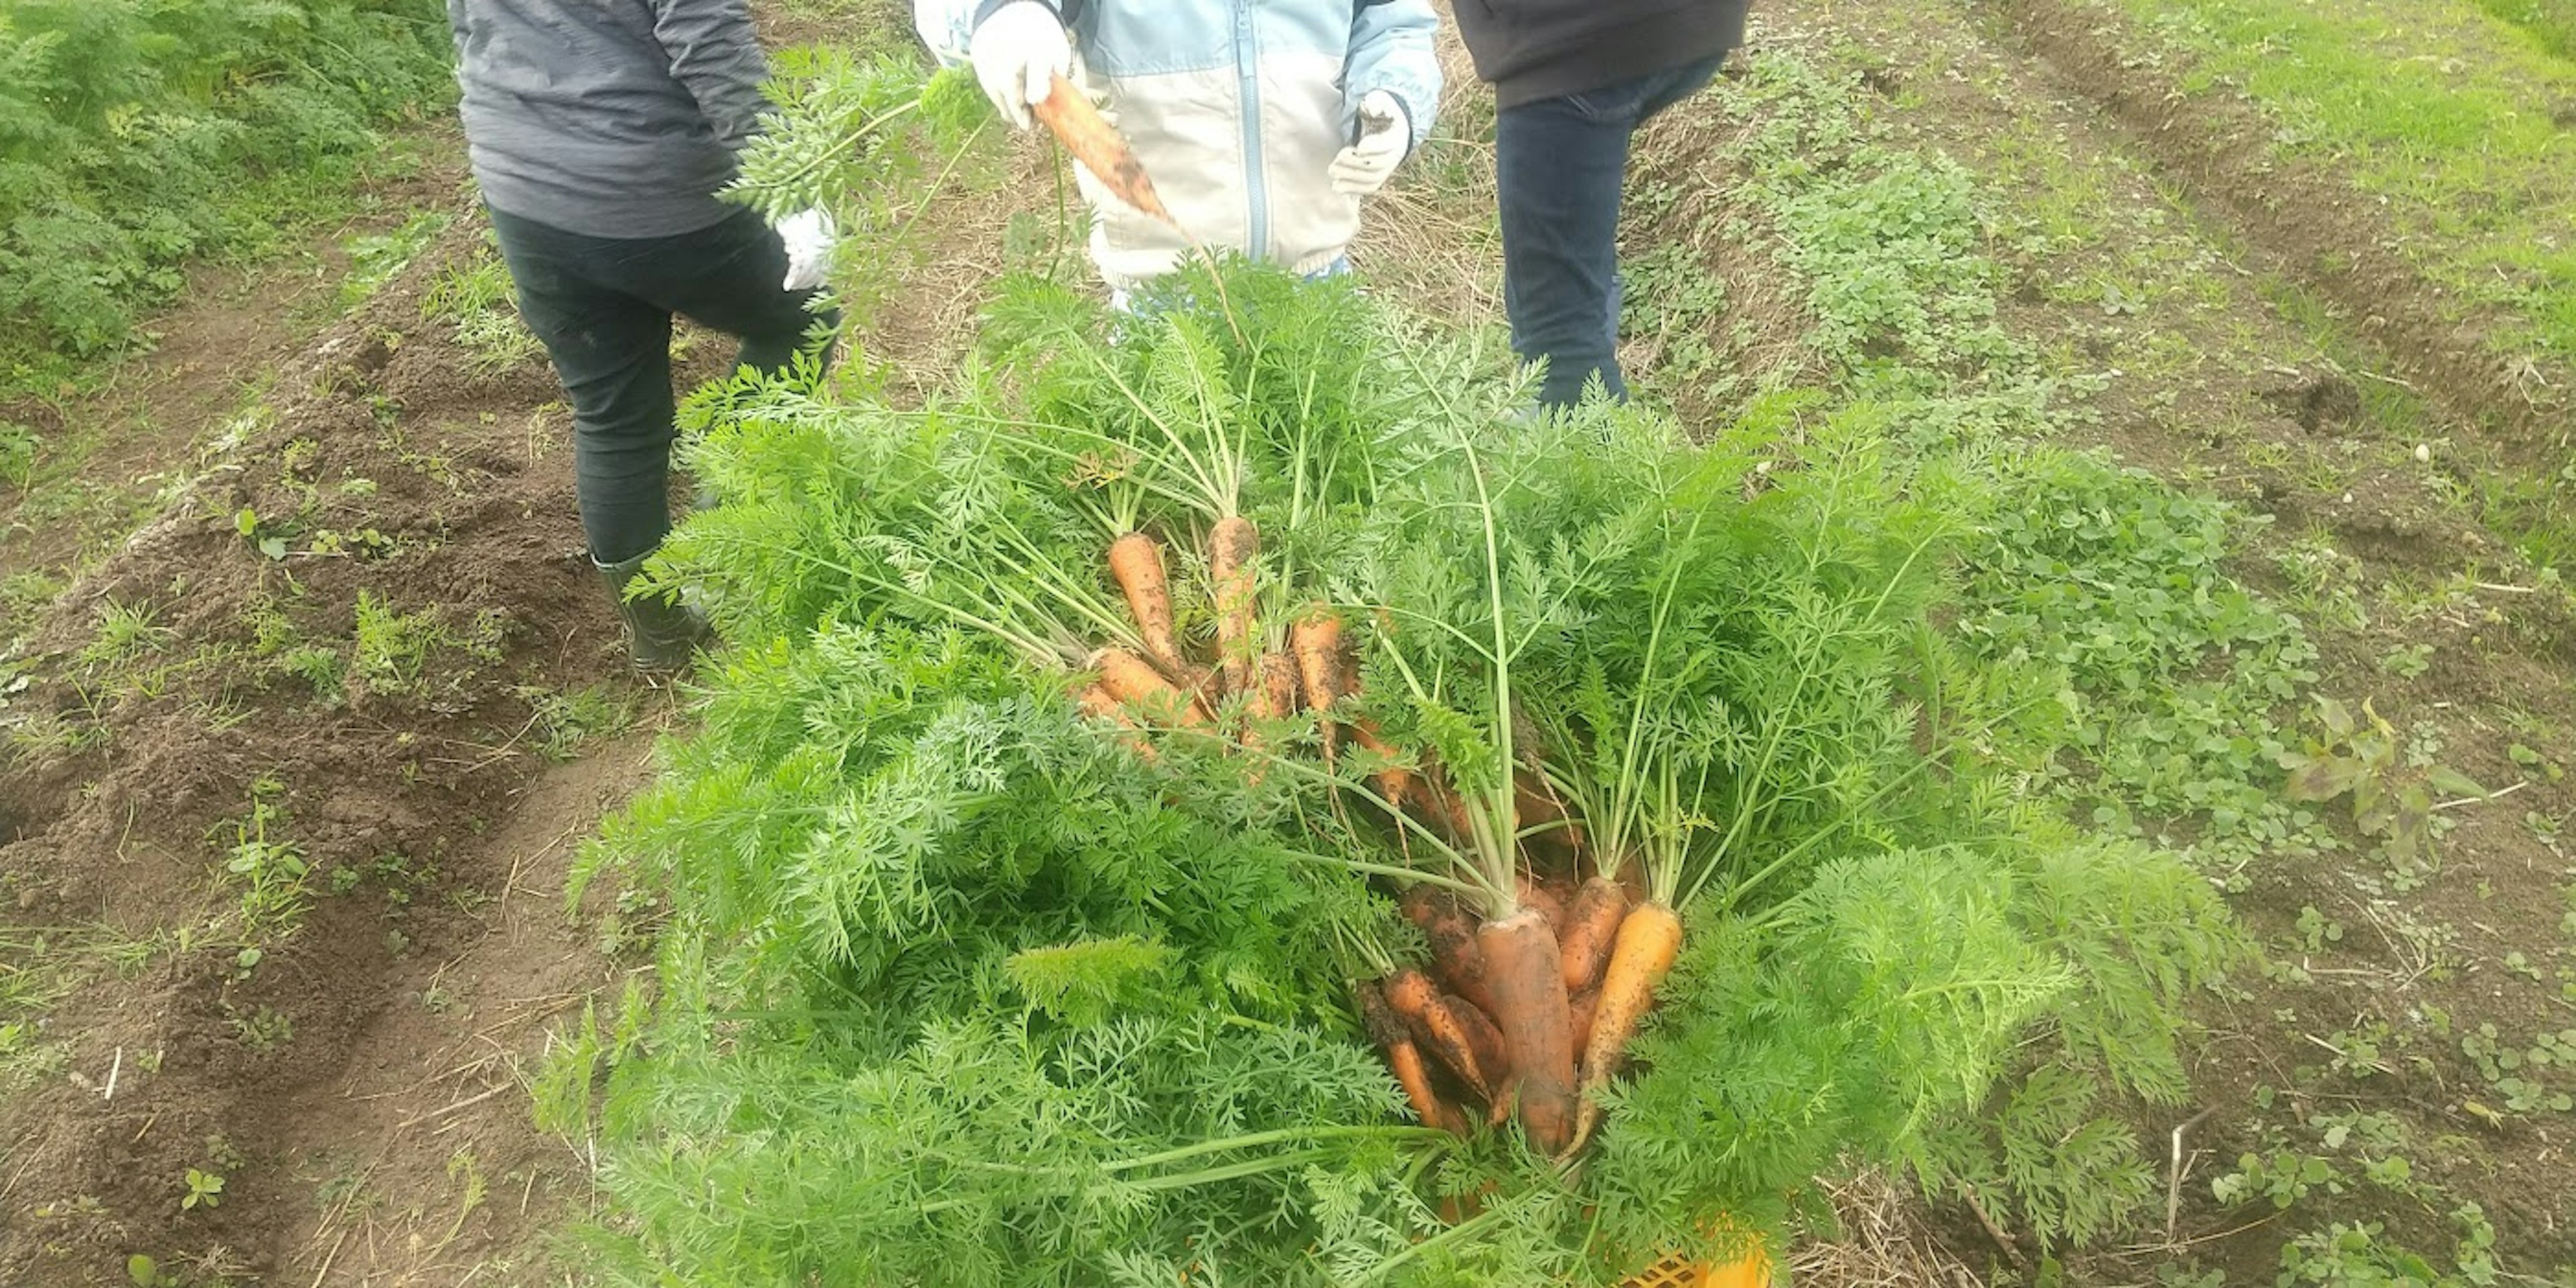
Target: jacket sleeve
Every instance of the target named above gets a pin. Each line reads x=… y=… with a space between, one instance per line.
x=715 y=55
x=1392 y=50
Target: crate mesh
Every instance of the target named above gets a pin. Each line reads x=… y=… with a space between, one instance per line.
x=1671 y=1272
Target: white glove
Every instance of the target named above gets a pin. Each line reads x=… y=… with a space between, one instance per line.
x=1386 y=134
x=809 y=239
x=1018 y=52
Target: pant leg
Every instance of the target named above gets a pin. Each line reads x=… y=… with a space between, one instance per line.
x=1559 y=171
x=728 y=277
x=613 y=353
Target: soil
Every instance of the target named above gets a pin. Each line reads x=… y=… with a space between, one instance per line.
x=339 y=1083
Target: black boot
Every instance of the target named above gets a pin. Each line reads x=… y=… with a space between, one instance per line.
x=661 y=632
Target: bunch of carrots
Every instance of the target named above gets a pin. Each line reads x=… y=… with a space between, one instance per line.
x=1524 y=1010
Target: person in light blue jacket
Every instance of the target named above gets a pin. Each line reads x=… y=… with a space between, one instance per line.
x=1263 y=123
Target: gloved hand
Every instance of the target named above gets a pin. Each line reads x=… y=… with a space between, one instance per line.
x=809 y=239
x=1018 y=52
x=1386 y=134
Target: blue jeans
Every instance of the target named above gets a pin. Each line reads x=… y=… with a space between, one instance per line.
x=1560 y=166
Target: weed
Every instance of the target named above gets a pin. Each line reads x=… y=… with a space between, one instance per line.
x=262 y=1030
x=476 y=300
x=391 y=647
x=570 y=720
x=270 y=876
x=205 y=1189
x=124 y=632
x=374 y=260
x=2390 y=800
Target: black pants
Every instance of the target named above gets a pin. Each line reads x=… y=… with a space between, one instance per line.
x=1561 y=164
x=603 y=307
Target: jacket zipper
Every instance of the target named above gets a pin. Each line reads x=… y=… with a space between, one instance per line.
x=1247 y=69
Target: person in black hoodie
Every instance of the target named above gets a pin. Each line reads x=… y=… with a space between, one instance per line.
x=1573 y=79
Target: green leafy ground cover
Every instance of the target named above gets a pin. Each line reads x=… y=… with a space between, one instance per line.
x=136 y=137
x=2453 y=117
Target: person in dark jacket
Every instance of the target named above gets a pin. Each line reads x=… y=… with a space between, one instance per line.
x=1573 y=79
x=600 y=132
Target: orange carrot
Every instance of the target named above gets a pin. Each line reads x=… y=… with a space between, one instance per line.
x=1097 y=704
x=1580 y=1012
x=1232 y=545
x=1135 y=683
x=1404 y=1059
x=1530 y=1007
x=1084 y=133
x=1456 y=959
x=1136 y=563
x=1650 y=937
x=1316 y=639
x=1395 y=783
x=1545 y=897
x=1585 y=935
x=1443 y=1023
x=1276 y=696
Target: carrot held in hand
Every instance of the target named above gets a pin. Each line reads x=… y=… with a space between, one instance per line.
x=1232 y=546
x=1136 y=563
x=1650 y=937
x=1524 y=970
x=1080 y=128
x=1404 y=1059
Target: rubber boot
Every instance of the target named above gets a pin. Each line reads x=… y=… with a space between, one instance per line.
x=661 y=633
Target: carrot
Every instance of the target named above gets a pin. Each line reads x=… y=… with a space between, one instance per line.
x=1446 y=1024
x=1276 y=695
x=1232 y=545
x=1451 y=931
x=1080 y=128
x=1449 y=810
x=1536 y=805
x=1405 y=1060
x=1316 y=639
x=1135 y=683
x=1536 y=893
x=1097 y=704
x=1585 y=935
x=1136 y=563
x=1395 y=783
x=1650 y=937
x=1580 y=1012
x=1531 y=1008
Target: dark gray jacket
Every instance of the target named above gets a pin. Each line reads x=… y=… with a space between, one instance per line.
x=615 y=118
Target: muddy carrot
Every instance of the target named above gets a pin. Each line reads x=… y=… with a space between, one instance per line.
x=1523 y=967
x=1136 y=563
x=1232 y=546
x=1580 y=1011
x=1584 y=936
x=1078 y=125
x=1316 y=639
x=1135 y=683
x=1404 y=1058
x=1455 y=959
x=1443 y=1025
x=1650 y=937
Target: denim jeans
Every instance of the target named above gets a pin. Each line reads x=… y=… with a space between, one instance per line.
x=1561 y=165
x=603 y=307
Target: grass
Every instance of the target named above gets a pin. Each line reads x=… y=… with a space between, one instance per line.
x=2434 y=106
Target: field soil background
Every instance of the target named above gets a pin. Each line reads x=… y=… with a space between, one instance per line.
x=311 y=698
